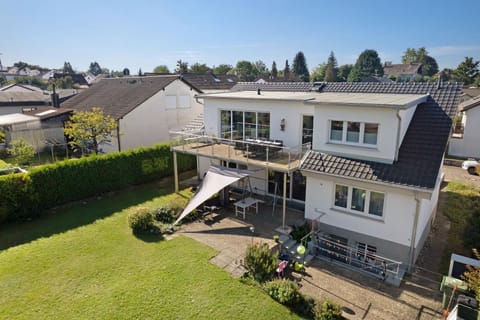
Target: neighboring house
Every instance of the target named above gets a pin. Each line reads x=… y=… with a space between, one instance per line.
x=403 y=72
x=206 y=82
x=21 y=101
x=469 y=93
x=145 y=108
x=465 y=141
x=52 y=123
x=371 y=180
x=20 y=87
x=20 y=126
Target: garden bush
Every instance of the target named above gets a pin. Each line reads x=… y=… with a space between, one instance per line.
x=140 y=219
x=298 y=232
x=283 y=290
x=165 y=215
x=328 y=310
x=260 y=262
x=55 y=184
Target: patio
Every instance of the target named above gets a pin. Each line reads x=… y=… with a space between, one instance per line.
x=361 y=296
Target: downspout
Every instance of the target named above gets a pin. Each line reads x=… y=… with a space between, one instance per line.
x=414 y=232
x=118 y=136
x=397 y=143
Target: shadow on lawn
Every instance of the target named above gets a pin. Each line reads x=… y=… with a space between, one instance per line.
x=77 y=214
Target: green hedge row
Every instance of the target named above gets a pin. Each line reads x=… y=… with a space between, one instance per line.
x=27 y=195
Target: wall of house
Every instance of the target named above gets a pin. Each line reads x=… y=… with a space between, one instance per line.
x=291 y=111
x=384 y=151
x=150 y=123
x=391 y=234
x=10 y=110
x=468 y=146
x=406 y=115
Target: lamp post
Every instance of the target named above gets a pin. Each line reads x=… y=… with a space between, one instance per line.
x=252 y=229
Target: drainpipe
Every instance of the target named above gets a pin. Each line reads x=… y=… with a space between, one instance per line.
x=118 y=136
x=397 y=143
x=414 y=233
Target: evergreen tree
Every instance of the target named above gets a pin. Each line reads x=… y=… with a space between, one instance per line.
x=95 y=68
x=466 y=71
x=429 y=64
x=368 y=64
x=343 y=72
x=67 y=68
x=274 y=70
x=299 y=67
x=140 y=73
x=286 y=71
x=182 y=67
x=331 y=70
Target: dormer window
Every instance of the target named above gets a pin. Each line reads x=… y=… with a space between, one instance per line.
x=354 y=133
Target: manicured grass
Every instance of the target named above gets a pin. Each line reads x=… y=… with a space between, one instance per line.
x=462 y=204
x=95 y=268
x=3 y=164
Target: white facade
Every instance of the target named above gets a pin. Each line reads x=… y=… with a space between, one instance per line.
x=149 y=123
x=467 y=146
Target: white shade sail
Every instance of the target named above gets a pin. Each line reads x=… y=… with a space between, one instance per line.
x=215 y=180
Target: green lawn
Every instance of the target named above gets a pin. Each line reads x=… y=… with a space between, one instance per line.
x=83 y=262
x=461 y=209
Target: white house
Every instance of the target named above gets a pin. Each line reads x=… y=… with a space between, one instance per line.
x=362 y=160
x=145 y=108
x=465 y=138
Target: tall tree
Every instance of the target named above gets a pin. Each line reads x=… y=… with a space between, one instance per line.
x=368 y=64
x=94 y=68
x=274 y=70
x=331 y=70
x=286 y=71
x=90 y=128
x=126 y=72
x=161 y=69
x=300 y=69
x=245 y=70
x=420 y=55
x=318 y=74
x=261 y=68
x=199 y=68
x=140 y=73
x=222 y=69
x=343 y=72
x=466 y=71
x=182 y=67
x=67 y=68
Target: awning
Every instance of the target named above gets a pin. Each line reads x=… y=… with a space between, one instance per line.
x=215 y=180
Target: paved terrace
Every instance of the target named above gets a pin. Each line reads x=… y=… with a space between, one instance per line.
x=362 y=297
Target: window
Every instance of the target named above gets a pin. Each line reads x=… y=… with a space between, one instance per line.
x=351 y=132
x=370 y=134
x=359 y=200
x=242 y=125
x=336 y=130
x=341 y=196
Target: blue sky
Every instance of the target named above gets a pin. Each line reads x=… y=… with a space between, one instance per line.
x=144 y=34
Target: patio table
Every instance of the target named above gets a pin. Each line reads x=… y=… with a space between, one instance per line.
x=242 y=205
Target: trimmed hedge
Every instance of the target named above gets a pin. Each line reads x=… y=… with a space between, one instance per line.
x=26 y=195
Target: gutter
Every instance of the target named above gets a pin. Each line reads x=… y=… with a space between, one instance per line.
x=397 y=142
x=411 y=253
x=118 y=136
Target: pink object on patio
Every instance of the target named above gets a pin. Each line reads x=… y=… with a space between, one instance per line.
x=281 y=267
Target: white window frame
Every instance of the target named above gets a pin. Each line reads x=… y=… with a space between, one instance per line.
x=344 y=134
x=366 y=209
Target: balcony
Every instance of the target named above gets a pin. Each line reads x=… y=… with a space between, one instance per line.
x=263 y=153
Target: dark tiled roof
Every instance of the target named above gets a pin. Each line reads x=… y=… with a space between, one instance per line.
x=210 y=81
x=274 y=86
x=118 y=96
x=422 y=148
x=402 y=69
x=14 y=98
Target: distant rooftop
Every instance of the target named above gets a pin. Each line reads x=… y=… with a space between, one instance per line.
x=15 y=118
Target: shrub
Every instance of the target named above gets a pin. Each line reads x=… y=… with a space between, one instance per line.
x=140 y=219
x=284 y=291
x=165 y=215
x=328 y=310
x=21 y=152
x=304 y=306
x=298 y=232
x=260 y=262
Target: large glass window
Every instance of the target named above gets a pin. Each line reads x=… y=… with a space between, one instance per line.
x=336 y=130
x=307 y=132
x=353 y=131
x=341 y=196
x=370 y=134
x=359 y=200
x=376 y=203
x=242 y=125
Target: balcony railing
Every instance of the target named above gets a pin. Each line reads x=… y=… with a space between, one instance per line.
x=245 y=151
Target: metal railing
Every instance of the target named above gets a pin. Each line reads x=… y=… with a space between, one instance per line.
x=369 y=262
